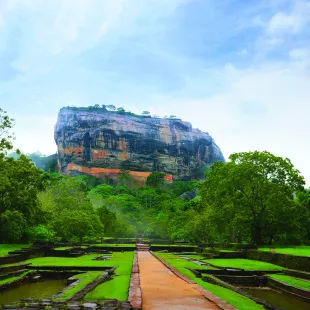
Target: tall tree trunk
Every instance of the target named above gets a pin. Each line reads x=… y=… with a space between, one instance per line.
x=257 y=234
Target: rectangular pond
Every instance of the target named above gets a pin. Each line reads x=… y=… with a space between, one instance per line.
x=35 y=290
x=282 y=300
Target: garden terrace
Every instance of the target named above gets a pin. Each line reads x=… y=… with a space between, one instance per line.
x=88 y=278
x=301 y=250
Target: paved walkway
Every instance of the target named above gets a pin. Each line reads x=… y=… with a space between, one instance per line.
x=162 y=289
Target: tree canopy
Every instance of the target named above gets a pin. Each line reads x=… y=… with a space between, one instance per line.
x=252 y=196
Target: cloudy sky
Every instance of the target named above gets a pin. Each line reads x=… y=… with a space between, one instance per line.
x=237 y=69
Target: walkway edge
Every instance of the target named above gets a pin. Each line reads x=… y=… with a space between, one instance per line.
x=135 y=296
x=222 y=304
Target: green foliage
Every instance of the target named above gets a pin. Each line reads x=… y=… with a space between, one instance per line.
x=251 y=198
x=155 y=179
x=108 y=220
x=12 y=226
x=40 y=233
x=111 y=107
x=6 y=123
x=69 y=211
x=20 y=182
x=46 y=163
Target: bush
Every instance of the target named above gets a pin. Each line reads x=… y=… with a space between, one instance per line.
x=40 y=233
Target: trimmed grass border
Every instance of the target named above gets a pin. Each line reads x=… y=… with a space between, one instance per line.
x=241 y=263
x=233 y=298
x=118 y=286
x=6 y=248
x=299 y=283
x=301 y=250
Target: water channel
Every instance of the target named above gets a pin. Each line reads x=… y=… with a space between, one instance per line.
x=35 y=290
x=282 y=300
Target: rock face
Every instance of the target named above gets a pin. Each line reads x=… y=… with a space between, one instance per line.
x=99 y=142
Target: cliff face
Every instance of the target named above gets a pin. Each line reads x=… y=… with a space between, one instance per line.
x=99 y=142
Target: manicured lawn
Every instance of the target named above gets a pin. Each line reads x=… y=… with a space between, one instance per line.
x=125 y=245
x=9 y=280
x=301 y=250
x=246 y=264
x=6 y=248
x=228 y=251
x=117 y=258
x=118 y=287
x=176 y=245
x=63 y=248
x=85 y=278
x=235 y=299
x=300 y=283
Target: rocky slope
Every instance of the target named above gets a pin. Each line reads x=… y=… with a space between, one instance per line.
x=101 y=143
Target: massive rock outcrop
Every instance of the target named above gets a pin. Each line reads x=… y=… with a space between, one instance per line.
x=101 y=143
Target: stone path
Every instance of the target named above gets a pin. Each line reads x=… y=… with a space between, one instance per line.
x=162 y=289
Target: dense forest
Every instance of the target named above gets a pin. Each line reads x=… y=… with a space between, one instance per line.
x=254 y=197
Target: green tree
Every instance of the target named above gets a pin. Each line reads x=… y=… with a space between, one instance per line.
x=69 y=211
x=75 y=225
x=12 y=226
x=121 y=110
x=155 y=179
x=6 y=124
x=248 y=195
x=20 y=182
x=40 y=233
x=109 y=220
x=111 y=107
x=146 y=113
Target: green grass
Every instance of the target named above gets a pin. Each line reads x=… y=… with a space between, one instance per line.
x=299 y=283
x=82 y=261
x=245 y=264
x=105 y=290
x=63 y=248
x=117 y=287
x=175 y=245
x=6 y=248
x=84 y=279
x=13 y=279
x=228 y=251
x=125 y=245
x=239 y=301
x=301 y=250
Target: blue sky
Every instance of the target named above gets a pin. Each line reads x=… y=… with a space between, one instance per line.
x=234 y=68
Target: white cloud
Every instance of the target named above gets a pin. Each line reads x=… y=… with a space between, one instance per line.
x=281 y=95
x=283 y=23
x=301 y=57
x=243 y=52
x=59 y=26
